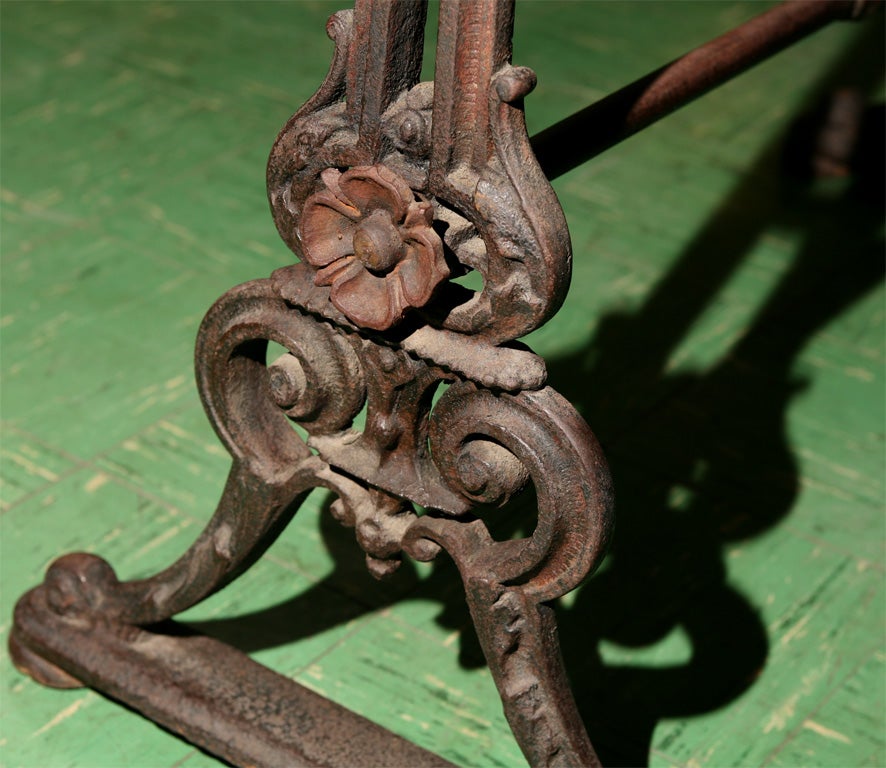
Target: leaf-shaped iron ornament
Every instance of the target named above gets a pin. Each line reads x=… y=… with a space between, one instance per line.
x=386 y=190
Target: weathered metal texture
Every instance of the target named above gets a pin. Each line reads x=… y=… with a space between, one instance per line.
x=202 y=689
x=385 y=188
x=594 y=129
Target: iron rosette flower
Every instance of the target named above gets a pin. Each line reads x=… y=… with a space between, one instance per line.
x=372 y=242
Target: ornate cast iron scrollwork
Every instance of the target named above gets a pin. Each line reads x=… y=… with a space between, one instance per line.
x=385 y=188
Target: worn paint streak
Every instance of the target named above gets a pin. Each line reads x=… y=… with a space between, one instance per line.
x=67 y=712
x=828 y=733
x=174 y=429
x=168 y=534
x=30 y=467
x=798 y=630
x=96 y=482
x=779 y=718
x=632 y=211
x=862 y=374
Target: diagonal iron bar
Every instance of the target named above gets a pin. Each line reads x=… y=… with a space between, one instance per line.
x=594 y=129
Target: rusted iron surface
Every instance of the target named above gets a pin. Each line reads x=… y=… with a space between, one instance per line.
x=594 y=129
x=224 y=701
x=386 y=189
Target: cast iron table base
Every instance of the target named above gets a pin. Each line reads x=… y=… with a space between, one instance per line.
x=387 y=189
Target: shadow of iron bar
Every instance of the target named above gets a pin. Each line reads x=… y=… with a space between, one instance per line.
x=600 y=126
x=666 y=569
x=728 y=453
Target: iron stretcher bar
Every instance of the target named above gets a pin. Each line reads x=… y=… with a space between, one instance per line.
x=594 y=129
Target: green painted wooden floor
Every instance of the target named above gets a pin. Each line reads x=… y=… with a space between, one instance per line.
x=724 y=337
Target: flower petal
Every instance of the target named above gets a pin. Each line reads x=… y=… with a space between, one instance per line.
x=332 y=180
x=430 y=248
x=365 y=299
x=342 y=269
x=397 y=303
x=374 y=186
x=416 y=278
x=419 y=215
x=326 y=235
x=327 y=198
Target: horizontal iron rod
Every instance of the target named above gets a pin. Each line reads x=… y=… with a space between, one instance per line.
x=594 y=129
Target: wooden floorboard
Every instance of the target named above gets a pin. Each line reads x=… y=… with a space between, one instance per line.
x=724 y=336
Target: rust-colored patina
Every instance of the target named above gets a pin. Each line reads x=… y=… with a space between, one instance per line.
x=385 y=188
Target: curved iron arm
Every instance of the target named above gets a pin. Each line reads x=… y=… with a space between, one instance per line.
x=385 y=189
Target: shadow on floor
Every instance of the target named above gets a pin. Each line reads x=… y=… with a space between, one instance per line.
x=700 y=459
x=703 y=459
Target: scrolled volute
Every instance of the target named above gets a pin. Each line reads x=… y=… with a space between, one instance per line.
x=486 y=445
x=318 y=383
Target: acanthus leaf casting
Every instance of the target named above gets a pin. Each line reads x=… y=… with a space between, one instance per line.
x=381 y=185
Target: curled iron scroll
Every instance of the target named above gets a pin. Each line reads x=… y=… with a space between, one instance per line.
x=388 y=190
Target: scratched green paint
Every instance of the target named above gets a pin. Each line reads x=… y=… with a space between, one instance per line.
x=731 y=365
